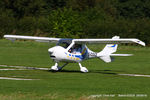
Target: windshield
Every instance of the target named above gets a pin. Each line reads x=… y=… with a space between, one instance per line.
x=77 y=48
x=64 y=44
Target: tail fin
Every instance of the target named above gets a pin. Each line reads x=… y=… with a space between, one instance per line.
x=110 y=48
x=106 y=53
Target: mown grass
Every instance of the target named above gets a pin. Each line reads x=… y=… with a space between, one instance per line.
x=70 y=84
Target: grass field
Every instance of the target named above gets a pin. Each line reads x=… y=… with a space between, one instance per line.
x=69 y=84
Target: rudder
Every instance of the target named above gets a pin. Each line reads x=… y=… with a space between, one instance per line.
x=107 y=51
x=110 y=48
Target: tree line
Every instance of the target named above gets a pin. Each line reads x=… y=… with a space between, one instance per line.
x=76 y=18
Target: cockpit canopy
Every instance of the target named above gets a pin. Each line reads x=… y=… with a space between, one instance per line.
x=64 y=42
x=76 y=48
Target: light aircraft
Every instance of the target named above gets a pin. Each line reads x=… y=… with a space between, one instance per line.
x=75 y=50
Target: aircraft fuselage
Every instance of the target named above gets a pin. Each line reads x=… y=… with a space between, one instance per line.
x=59 y=53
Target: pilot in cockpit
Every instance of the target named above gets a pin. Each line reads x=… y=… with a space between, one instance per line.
x=77 y=48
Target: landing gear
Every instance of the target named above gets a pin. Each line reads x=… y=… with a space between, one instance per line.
x=83 y=69
x=57 y=68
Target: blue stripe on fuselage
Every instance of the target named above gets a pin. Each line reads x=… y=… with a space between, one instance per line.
x=81 y=56
x=113 y=45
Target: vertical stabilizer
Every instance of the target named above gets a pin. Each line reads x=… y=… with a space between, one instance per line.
x=107 y=51
x=110 y=48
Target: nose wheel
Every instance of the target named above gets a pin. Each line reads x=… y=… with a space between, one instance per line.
x=57 y=68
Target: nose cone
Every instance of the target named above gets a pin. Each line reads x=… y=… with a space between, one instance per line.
x=56 y=52
x=51 y=50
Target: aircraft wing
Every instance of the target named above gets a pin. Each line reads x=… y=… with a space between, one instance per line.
x=109 y=41
x=39 y=39
x=78 y=41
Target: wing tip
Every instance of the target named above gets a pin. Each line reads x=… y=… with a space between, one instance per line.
x=5 y=36
x=141 y=43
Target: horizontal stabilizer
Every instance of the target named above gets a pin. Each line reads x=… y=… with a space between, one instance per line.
x=106 y=59
x=121 y=54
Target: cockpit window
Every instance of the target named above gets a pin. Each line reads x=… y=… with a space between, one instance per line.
x=64 y=44
x=77 y=48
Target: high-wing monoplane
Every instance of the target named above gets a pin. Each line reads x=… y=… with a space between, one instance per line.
x=75 y=50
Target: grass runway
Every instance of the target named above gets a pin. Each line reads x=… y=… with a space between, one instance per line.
x=102 y=80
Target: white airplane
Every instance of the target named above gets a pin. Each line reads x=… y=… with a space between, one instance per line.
x=75 y=50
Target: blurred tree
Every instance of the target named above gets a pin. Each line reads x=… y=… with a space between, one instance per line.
x=133 y=8
x=66 y=23
x=76 y=18
x=29 y=8
x=55 y=4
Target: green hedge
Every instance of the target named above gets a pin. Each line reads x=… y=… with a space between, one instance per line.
x=76 y=19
